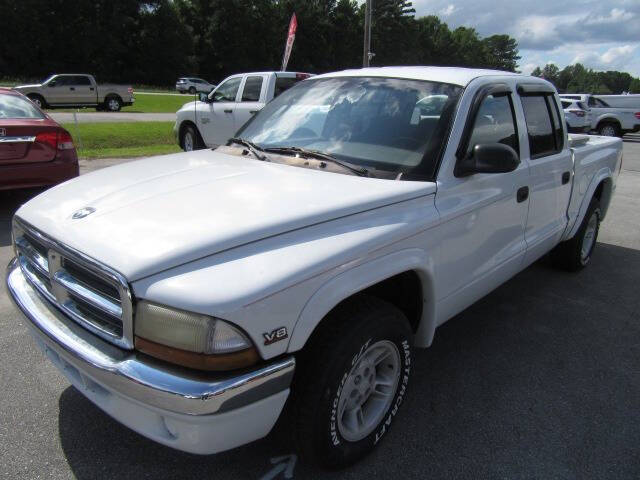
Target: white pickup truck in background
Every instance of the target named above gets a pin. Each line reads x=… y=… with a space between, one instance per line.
x=607 y=120
x=190 y=296
x=218 y=115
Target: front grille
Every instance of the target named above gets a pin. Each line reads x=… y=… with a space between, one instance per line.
x=91 y=294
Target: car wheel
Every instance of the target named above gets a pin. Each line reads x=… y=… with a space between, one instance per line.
x=609 y=130
x=113 y=104
x=350 y=381
x=575 y=254
x=192 y=90
x=38 y=101
x=189 y=139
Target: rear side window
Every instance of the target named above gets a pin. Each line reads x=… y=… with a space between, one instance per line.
x=581 y=105
x=495 y=123
x=566 y=104
x=81 y=80
x=13 y=106
x=543 y=125
x=283 y=84
x=252 y=89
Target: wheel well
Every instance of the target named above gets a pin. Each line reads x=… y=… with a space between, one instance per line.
x=185 y=124
x=612 y=121
x=404 y=291
x=112 y=95
x=603 y=194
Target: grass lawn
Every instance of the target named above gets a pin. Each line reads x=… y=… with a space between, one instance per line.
x=123 y=139
x=158 y=103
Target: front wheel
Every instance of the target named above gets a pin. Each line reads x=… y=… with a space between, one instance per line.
x=351 y=381
x=38 y=100
x=575 y=253
x=192 y=90
x=189 y=139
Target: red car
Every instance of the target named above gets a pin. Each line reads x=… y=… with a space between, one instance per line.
x=35 y=151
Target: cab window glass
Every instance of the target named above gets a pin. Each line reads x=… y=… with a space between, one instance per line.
x=81 y=80
x=227 y=91
x=557 y=126
x=252 y=89
x=495 y=123
x=540 y=129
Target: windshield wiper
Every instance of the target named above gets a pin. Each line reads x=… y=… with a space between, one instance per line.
x=361 y=171
x=251 y=147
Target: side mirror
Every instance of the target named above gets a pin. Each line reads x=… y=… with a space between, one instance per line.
x=488 y=158
x=203 y=97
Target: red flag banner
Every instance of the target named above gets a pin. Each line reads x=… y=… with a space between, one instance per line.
x=291 y=36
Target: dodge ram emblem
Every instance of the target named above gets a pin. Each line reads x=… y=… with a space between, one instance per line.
x=83 y=212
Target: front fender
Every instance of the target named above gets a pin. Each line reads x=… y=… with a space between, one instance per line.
x=362 y=276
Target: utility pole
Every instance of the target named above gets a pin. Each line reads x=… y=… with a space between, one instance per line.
x=367 y=55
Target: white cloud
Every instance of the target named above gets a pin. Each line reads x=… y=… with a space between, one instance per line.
x=615 y=58
x=448 y=10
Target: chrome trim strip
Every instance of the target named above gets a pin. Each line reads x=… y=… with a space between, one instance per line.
x=32 y=255
x=21 y=139
x=57 y=249
x=87 y=294
x=137 y=376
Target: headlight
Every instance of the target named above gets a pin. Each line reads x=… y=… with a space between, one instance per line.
x=191 y=339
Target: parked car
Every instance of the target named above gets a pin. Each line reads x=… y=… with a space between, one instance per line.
x=215 y=117
x=577 y=115
x=305 y=259
x=35 y=151
x=606 y=120
x=78 y=90
x=193 y=85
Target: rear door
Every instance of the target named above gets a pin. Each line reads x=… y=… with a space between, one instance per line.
x=82 y=90
x=216 y=122
x=550 y=167
x=252 y=96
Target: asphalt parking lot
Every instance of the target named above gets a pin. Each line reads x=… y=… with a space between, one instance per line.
x=540 y=379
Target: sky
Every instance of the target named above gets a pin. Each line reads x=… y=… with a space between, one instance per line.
x=603 y=35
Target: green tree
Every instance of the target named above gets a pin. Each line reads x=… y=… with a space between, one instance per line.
x=501 y=52
x=634 y=86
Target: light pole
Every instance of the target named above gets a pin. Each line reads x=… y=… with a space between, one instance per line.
x=367 y=55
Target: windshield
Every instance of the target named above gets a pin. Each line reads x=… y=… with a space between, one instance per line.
x=13 y=106
x=385 y=124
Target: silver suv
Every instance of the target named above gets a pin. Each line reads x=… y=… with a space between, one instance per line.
x=193 y=85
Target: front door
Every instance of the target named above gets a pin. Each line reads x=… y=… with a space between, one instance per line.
x=484 y=214
x=216 y=122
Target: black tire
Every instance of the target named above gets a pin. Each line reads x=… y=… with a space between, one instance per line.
x=609 y=129
x=323 y=368
x=192 y=90
x=38 y=100
x=195 y=142
x=569 y=254
x=112 y=103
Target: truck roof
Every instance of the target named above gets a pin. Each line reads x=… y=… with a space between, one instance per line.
x=453 y=75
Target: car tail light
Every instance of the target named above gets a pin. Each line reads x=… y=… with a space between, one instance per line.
x=130 y=89
x=637 y=114
x=65 y=142
x=302 y=76
x=56 y=140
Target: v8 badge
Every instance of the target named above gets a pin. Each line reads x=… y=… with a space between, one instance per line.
x=275 y=335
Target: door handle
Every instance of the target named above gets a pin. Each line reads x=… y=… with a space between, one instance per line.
x=566 y=176
x=523 y=194
x=91 y=88
x=228 y=111
x=71 y=88
x=253 y=112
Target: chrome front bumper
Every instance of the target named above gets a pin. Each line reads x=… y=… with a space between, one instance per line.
x=135 y=376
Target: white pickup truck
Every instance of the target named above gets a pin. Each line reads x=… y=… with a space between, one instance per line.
x=213 y=119
x=605 y=119
x=191 y=296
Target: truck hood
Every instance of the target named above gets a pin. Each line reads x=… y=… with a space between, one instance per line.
x=150 y=215
x=25 y=87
